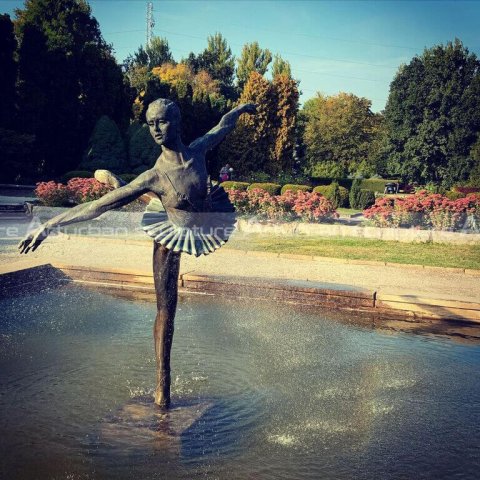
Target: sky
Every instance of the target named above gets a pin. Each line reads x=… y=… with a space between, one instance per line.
x=332 y=46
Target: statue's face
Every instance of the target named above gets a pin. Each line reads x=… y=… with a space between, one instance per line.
x=162 y=124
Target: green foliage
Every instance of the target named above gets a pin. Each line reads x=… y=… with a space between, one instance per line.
x=271 y=188
x=156 y=53
x=344 y=197
x=252 y=59
x=343 y=182
x=322 y=189
x=17 y=157
x=76 y=174
x=335 y=193
x=105 y=149
x=433 y=116
x=376 y=184
x=67 y=79
x=339 y=133
x=453 y=195
x=355 y=193
x=142 y=149
x=365 y=199
x=328 y=169
x=232 y=185
x=217 y=60
x=8 y=72
x=295 y=188
x=281 y=67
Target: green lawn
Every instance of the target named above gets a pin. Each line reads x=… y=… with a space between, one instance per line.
x=433 y=254
x=348 y=212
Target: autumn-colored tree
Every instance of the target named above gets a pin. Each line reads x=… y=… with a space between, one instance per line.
x=264 y=141
x=249 y=146
x=339 y=132
x=252 y=59
x=286 y=95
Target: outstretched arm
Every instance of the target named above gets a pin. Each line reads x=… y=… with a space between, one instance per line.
x=86 y=211
x=226 y=125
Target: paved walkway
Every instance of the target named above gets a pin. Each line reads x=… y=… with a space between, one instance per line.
x=446 y=284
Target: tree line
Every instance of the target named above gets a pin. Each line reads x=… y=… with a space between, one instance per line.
x=66 y=104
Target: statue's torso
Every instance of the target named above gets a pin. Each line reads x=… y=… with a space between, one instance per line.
x=185 y=186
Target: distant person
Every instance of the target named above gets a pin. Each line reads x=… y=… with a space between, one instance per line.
x=225 y=173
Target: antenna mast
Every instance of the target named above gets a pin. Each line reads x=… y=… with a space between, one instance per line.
x=150 y=22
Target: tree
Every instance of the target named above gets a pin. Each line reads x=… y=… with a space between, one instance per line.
x=156 y=53
x=142 y=149
x=68 y=78
x=286 y=110
x=8 y=72
x=252 y=59
x=281 y=67
x=433 y=116
x=105 y=148
x=217 y=60
x=339 y=132
x=264 y=141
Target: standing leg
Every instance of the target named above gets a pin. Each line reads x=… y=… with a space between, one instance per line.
x=166 y=267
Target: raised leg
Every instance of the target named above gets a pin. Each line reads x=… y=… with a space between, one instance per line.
x=166 y=267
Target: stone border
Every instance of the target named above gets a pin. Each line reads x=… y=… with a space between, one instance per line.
x=402 y=307
x=405 y=235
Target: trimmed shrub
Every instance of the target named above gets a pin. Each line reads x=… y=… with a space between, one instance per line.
x=307 y=206
x=142 y=149
x=105 y=149
x=426 y=210
x=335 y=193
x=453 y=195
x=76 y=174
x=271 y=188
x=291 y=187
x=83 y=190
x=232 y=185
x=466 y=190
x=344 y=203
x=52 y=194
x=354 y=193
x=366 y=199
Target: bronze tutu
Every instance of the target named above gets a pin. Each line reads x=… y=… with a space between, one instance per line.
x=194 y=231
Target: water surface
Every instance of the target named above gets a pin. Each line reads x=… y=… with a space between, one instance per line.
x=279 y=393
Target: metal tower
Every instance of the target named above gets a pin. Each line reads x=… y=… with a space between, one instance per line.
x=150 y=22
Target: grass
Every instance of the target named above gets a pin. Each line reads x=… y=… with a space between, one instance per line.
x=431 y=254
x=348 y=212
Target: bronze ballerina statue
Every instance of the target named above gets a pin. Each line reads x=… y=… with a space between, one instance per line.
x=198 y=217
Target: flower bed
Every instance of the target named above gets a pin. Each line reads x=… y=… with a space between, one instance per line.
x=77 y=190
x=306 y=206
x=426 y=210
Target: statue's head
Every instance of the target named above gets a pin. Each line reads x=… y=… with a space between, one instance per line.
x=163 y=119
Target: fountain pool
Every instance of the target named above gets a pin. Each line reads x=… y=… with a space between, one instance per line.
x=277 y=392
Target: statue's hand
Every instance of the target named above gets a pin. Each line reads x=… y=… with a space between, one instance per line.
x=249 y=108
x=33 y=239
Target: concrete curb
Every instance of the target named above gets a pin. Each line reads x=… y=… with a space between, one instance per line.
x=315 y=294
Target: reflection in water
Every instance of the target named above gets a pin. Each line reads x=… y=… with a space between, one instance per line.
x=259 y=392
